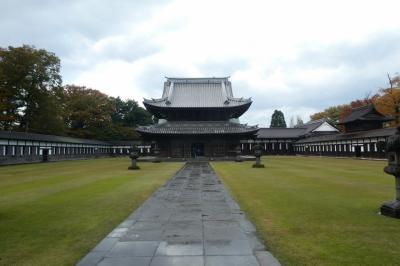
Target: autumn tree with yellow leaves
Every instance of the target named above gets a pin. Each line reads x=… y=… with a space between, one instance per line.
x=386 y=101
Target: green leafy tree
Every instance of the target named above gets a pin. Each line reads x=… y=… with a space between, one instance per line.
x=87 y=111
x=33 y=100
x=48 y=117
x=29 y=79
x=129 y=114
x=332 y=113
x=8 y=104
x=278 y=120
x=93 y=114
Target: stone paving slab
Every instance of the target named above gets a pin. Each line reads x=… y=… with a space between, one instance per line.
x=191 y=220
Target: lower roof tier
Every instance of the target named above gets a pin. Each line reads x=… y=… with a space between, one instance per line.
x=198 y=128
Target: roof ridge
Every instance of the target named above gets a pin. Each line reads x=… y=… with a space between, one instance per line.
x=155 y=99
x=362 y=107
x=282 y=128
x=237 y=99
x=324 y=119
x=196 y=78
x=47 y=136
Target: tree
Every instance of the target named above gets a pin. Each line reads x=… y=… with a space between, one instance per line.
x=388 y=101
x=128 y=113
x=291 y=124
x=87 y=111
x=33 y=100
x=278 y=120
x=90 y=113
x=29 y=78
x=48 y=118
x=332 y=113
x=8 y=104
x=299 y=122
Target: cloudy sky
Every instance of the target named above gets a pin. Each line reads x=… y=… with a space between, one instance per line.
x=296 y=56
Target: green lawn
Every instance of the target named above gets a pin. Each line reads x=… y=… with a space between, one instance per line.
x=54 y=213
x=318 y=211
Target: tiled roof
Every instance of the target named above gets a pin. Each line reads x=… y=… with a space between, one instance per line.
x=314 y=124
x=297 y=132
x=280 y=133
x=49 y=138
x=366 y=112
x=124 y=142
x=198 y=128
x=375 y=133
x=197 y=93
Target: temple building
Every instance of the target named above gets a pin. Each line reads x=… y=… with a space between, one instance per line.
x=364 y=118
x=364 y=136
x=197 y=117
x=23 y=147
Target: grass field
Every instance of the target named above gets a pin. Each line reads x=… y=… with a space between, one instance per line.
x=318 y=211
x=54 y=213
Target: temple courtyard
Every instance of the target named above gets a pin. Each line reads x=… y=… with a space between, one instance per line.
x=307 y=210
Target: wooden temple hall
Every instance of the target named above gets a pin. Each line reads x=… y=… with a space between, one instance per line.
x=198 y=117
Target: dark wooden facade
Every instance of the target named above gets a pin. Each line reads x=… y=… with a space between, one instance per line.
x=203 y=146
x=364 y=118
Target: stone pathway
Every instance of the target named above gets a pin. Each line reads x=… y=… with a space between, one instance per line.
x=192 y=220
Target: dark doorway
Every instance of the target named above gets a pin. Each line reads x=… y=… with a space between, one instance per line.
x=197 y=149
x=358 y=151
x=45 y=157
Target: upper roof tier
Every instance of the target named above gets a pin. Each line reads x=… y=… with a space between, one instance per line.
x=364 y=113
x=364 y=118
x=197 y=94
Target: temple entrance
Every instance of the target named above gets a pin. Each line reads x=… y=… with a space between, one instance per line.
x=45 y=155
x=357 y=149
x=197 y=150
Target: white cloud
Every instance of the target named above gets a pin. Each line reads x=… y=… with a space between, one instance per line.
x=297 y=56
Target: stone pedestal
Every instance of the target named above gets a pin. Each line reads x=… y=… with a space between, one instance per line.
x=258 y=153
x=258 y=163
x=157 y=158
x=238 y=152
x=392 y=208
x=134 y=165
x=134 y=155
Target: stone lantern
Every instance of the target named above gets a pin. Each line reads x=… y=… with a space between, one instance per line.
x=258 y=152
x=134 y=155
x=238 y=152
x=156 y=152
x=392 y=208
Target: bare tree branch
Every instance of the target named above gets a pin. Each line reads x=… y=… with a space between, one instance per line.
x=390 y=82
